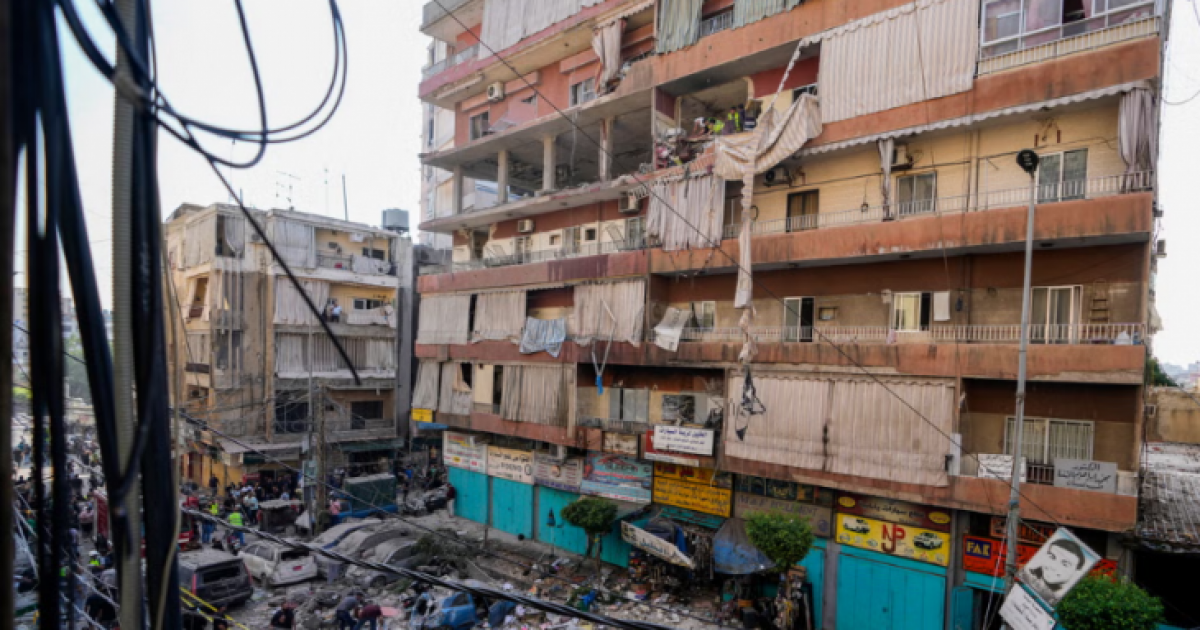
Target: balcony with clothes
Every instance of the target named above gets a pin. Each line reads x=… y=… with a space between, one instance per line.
x=347 y=309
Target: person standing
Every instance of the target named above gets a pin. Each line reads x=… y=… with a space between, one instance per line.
x=369 y=614
x=235 y=519
x=213 y=483
x=451 y=495
x=345 y=610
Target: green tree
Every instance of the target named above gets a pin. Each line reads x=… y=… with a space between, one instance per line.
x=1101 y=603
x=77 y=379
x=786 y=540
x=595 y=517
x=1156 y=376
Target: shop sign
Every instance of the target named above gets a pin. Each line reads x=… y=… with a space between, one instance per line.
x=422 y=415
x=654 y=545
x=783 y=490
x=890 y=510
x=1083 y=474
x=654 y=455
x=511 y=464
x=1022 y=612
x=693 y=474
x=693 y=496
x=988 y=555
x=680 y=515
x=994 y=466
x=561 y=475
x=903 y=541
x=620 y=443
x=461 y=451
x=617 y=477
x=684 y=440
x=1035 y=533
x=820 y=517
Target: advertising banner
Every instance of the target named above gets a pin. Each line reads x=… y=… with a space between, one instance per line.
x=987 y=556
x=617 y=477
x=1083 y=474
x=510 y=464
x=422 y=415
x=692 y=496
x=655 y=455
x=684 y=440
x=1057 y=567
x=894 y=511
x=903 y=541
x=705 y=476
x=461 y=451
x=620 y=443
x=820 y=517
x=784 y=490
x=561 y=475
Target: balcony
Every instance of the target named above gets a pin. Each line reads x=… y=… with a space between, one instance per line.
x=356 y=264
x=716 y=24
x=458 y=58
x=1045 y=334
x=1130 y=21
x=537 y=256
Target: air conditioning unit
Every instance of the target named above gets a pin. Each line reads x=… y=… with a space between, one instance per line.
x=495 y=92
x=525 y=226
x=901 y=160
x=629 y=204
x=1160 y=249
x=778 y=176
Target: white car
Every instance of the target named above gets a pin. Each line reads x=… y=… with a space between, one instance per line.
x=856 y=525
x=274 y=564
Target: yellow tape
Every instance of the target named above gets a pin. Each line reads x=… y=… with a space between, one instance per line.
x=189 y=594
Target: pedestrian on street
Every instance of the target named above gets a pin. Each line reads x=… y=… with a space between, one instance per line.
x=235 y=519
x=451 y=495
x=345 y=610
x=369 y=614
x=212 y=485
x=285 y=617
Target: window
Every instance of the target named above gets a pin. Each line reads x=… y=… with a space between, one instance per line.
x=225 y=247
x=1054 y=313
x=522 y=247
x=530 y=100
x=915 y=193
x=583 y=92
x=798 y=319
x=570 y=240
x=911 y=311
x=704 y=314
x=802 y=210
x=589 y=234
x=1001 y=22
x=635 y=232
x=429 y=133
x=1044 y=440
x=556 y=240
x=480 y=125
x=1062 y=176
x=364 y=410
x=811 y=88
x=377 y=254
x=366 y=304
x=227 y=353
x=291 y=413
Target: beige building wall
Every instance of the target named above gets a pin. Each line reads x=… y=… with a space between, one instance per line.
x=1177 y=417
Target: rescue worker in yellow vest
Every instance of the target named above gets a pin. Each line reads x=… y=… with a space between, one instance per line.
x=734 y=120
x=207 y=527
x=94 y=562
x=235 y=519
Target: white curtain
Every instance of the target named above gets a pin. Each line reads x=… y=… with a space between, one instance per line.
x=499 y=315
x=921 y=50
x=289 y=304
x=606 y=41
x=425 y=392
x=199 y=241
x=444 y=319
x=887 y=148
x=750 y=11
x=591 y=320
x=678 y=24
x=235 y=234
x=295 y=242
x=688 y=213
x=198 y=348
x=455 y=396
x=1137 y=130
x=534 y=394
x=290 y=354
x=506 y=22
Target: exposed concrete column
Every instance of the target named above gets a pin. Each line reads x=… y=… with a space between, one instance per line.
x=606 y=148
x=549 y=162
x=456 y=196
x=502 y=177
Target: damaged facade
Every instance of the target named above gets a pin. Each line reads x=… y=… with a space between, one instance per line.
x=822 y=194
x=256 y=358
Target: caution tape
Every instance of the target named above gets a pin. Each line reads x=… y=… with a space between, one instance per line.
x=190 y=595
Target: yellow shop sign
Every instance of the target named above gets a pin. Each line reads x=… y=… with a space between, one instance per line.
x=903 y=541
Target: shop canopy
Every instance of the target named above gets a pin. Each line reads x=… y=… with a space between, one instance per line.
x=734 y=554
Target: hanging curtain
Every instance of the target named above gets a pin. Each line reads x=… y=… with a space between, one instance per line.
x=455 y=396
x=534 y=394
x=919 y=51
x=444 y=319
x=212 y=301
x=606 y=41
x=199 y=241
x=687 y=213
x=235 y=234
x=668 y=331
x=626 y=301
x=1137 y=130
x=289 y=304
x=771 y=142
x=499 y=315
x=290 y=355
x=678 y=24
x=506 y=22
x=887 y=148
x=750 y=11
x=425 y=392
x=295 y=242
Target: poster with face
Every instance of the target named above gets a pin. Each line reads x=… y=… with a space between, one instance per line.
x=1057 y=567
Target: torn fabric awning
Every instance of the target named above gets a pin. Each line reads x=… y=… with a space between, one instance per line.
x=654 y=545
x=734 y=554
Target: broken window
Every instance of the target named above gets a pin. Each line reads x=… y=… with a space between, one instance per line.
x=364 y=410
x=704 y=314
x=228 y=351
x=583 y=92
x=480 y=125
x=291 y=412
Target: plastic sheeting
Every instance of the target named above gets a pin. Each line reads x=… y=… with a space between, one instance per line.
x=625 y=300
x=544 y=335
x=678 y=24
x=506 y=22
x=688 y=213
x=444 y=319
x=289 y=304
x=296 y=242
x=535 y=393
x=455 y=397
x=750 y=11
x=606 y=41
x=919 y=51
x=425 y=392
x=499 y=316
x=734 y=554
x=668 y=331
x=848 y=425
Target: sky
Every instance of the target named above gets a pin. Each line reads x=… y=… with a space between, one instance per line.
x=374 y=139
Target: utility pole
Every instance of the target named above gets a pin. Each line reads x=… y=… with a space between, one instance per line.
x=319 y=473
x=312 y=421
x=1028 y=161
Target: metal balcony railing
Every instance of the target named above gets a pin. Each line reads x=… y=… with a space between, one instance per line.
x=716 y=24
x=458 y=58
x=542 y=255
x=1046 y=334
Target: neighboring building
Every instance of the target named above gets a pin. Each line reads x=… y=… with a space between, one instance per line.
x=886 y=236
x=256 y=358
x=21 y=350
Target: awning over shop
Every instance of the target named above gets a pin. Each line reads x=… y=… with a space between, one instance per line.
x=1170 y=519
x=371 y=445
x=430 y=426
x=734 y=554
x=654 y=545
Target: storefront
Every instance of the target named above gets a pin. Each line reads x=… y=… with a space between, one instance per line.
x=698 y=500
x=510 y=474
x=466 y=465
x=892 y=563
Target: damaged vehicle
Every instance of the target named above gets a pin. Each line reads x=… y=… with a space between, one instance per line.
x=274 y=564
x=401 y=554
x=358 y=544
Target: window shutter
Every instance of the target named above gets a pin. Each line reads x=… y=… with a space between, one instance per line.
x=926 y=309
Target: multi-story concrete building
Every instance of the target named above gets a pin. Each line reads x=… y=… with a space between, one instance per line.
x=876 y=269
x=256 y=358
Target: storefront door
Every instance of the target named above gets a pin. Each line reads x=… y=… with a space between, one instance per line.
x=883 y=592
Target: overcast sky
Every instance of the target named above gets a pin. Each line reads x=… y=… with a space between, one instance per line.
x=375 y=138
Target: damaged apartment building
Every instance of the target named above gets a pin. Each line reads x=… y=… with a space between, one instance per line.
x=257 y=365
x=673 y=197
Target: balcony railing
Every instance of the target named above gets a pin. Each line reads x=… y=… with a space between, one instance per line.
x=1093 y=188
x=458 y=58
x=357 y=264
x=1047 y=334
x=614 y=425
x=1132 y=20
x=716 y=24
x=542 y=255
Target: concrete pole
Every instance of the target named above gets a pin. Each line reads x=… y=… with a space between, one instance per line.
x=502 y=160
x=549 y=162
x=606 y=148
x=456 y=196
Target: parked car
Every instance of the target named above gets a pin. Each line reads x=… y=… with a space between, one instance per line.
x=401 y=553
x=358 y=544
x=334 y=535
x=216 y=577
x=927 y=541
x=275 y=564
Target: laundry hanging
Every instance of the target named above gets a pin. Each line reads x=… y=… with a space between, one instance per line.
x=669 y=331
x=544 y=335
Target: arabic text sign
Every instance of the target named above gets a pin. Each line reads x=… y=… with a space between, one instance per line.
x=1083 y=474
x=1022 y=612
x=510 y=464
x=653 y=545
x=903 y=541
x=683 y=440
x=692 y=496
x=562 y=475
x=460 y=451
x=894 y=511
x=819 y=517
x=993 y=466
x=650 y=453
x=617 y=477
x=706 y=476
